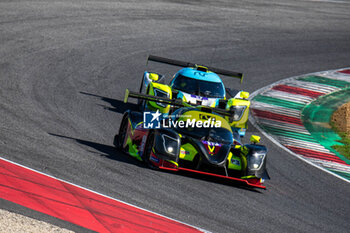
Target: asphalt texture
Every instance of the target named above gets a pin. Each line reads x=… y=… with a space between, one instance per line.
x=64 y=67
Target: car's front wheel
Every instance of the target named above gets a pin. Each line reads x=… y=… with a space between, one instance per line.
x=148 y=151
x=122 y=133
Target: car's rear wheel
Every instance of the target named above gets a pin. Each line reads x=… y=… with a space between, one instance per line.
x=122 y=133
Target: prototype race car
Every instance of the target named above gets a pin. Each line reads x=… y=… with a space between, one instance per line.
x=197 y=84
x=192 y=138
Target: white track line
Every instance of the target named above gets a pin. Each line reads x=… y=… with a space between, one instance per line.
x=284 y=126
x=325 y=89
x=332 y=165
x=305 y=144
x=335 y=75
x=115 y=199
x=287 y=96
x=277 y=109
x=253 y=121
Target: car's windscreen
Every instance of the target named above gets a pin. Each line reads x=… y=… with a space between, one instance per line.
x=220 y=135
x=198 y=87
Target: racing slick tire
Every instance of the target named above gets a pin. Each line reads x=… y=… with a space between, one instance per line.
x=120 y=138
x=147 y=151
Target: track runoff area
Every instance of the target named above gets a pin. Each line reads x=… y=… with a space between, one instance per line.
x=295 y=114
x=78 y=205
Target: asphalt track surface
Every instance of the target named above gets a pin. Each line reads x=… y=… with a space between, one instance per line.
x=64 y=67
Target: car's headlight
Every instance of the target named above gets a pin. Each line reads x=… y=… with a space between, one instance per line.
x=170 y=144
x=256 y=160
x=161 y=93
x=237 y=112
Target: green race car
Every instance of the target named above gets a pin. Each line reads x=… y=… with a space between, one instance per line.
x=193 y=138
x=199 y=85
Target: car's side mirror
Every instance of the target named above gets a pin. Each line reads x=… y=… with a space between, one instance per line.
x=254 y=139
x=153 y=76
x=244 y=95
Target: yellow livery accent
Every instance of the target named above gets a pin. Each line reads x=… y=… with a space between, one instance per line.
x=187 y=152
x=153 y=76
x=161 y=90
x=240 y=118
x=244 y=95
x=211 y=148
x=173 y=162
x=234 y=162
x=255 y=139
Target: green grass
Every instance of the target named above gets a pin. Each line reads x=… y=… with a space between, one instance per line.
x=345 y=139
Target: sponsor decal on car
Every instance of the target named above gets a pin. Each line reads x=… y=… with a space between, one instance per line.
x=142 y=146
x=155 y=120
x=235 y=162
x=212 y=147
x=154 y=159
x=184 y=152
x=199 y=97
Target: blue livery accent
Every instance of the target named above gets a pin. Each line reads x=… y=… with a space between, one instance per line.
x=240 y=131
x=200 y=75
x=151 y=120
x=199 y=97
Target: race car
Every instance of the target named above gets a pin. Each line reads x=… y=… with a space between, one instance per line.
x=192 y=138
x=197 y=84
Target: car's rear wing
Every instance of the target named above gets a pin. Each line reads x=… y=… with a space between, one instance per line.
x=174 y=102
x=189 y=64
